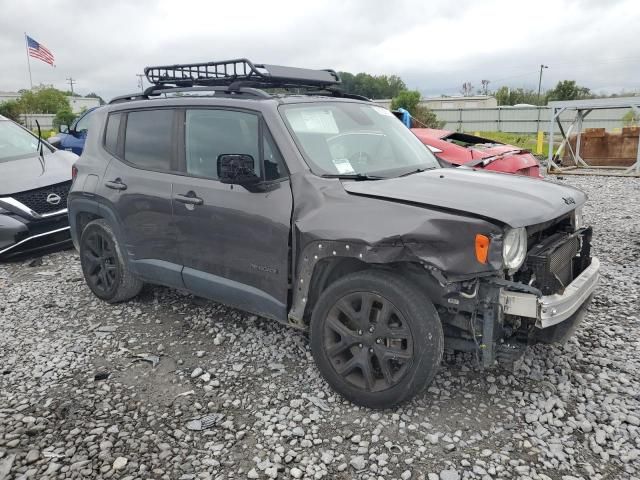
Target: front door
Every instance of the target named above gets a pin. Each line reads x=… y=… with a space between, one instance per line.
x=234 y=243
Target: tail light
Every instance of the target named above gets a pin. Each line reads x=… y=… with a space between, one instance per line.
x=74 y=172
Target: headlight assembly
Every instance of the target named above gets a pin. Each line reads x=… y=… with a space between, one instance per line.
x=514 y=248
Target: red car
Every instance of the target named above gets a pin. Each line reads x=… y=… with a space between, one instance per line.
x=464 y=149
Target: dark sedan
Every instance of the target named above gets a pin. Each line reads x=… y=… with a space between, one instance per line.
x=34 y=182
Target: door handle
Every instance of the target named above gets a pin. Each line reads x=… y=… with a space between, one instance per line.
x=188 y=199
x=115 y=184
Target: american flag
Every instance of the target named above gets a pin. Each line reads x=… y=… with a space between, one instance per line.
x=39 y=51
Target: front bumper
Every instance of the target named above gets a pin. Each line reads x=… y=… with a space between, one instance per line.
x=19 y=236
x=550 y=310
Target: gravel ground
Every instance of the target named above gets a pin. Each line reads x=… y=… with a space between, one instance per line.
x=235 y=396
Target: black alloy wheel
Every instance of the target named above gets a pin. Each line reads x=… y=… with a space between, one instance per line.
x=368 y=342
x=99 y=256
x=376 y=337
x=103 y=265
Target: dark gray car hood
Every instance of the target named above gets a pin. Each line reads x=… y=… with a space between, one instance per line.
x=510 y=199
x=29 y=173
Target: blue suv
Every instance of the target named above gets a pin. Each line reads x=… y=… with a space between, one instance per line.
x=72 y=138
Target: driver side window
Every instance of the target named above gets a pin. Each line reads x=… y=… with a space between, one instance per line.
x=211 y=133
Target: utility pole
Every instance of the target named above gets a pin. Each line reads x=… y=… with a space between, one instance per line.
x=140 y=81
x=540 y=134
x=71 y=82
x=540 y=81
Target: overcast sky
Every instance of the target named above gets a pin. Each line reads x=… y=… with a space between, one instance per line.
x=434 y=46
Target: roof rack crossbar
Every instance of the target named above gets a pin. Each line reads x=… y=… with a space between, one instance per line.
x=158 y=91
x=154 y=91
x=240 y=72
x=128 y=98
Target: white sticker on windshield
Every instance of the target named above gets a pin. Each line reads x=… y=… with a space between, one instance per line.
x=313 y=121
x=343 y=166
x=383 y=111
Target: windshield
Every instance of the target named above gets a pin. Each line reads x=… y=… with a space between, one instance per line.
x=340 y=138
x=15 y=142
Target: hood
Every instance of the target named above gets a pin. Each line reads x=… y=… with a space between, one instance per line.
x=29 y=173
x=513 y=200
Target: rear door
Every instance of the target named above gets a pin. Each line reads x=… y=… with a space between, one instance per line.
x=233 y=242
x=137 y=187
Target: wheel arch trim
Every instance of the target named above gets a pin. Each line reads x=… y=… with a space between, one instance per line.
x=79 y=205
x=318 y=251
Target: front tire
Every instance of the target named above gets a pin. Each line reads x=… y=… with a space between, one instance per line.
x=376 y=338
x=103 y=265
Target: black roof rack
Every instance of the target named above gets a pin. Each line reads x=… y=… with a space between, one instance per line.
x=239 y=76
x=240 y=72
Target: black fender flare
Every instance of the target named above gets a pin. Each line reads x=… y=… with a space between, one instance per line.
x=316 y=251
x=79 y=205
x=313 y=253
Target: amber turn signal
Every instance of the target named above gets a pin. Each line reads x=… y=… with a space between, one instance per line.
x=482 y=248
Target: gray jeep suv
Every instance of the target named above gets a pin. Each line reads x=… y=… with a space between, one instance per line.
x=320 y=210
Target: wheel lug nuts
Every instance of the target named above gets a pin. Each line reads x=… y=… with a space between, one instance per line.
x=371 y=350
x=378 y=340
x=359 y=332
x=371 y=328
x=360 y=345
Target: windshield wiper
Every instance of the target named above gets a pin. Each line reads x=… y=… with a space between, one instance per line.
x=40 y=147
x=417 y=170
x=352 y=176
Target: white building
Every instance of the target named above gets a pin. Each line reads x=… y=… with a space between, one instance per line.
x=7 y=96
x=451 y=103
x=82 y=103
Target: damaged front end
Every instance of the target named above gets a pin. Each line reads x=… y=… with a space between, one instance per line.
x=542 y=302
x=494 y=306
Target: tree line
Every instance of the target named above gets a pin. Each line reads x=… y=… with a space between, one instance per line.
x=564 y=90
x=43 y=99
x=393 y=87
x=46 y=99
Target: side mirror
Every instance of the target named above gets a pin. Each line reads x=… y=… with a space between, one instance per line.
x=54 y=141
x=237 y=169
x=63 y=128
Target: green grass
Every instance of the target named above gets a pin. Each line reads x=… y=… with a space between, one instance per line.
x=45 y=133
x=522 y=140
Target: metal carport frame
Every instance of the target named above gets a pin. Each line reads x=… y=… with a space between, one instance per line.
x=582 y=109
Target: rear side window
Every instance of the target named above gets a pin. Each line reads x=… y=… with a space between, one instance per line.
x=111 y=134
x=147 y=142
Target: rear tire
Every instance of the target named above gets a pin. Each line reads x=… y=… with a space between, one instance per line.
x=376 y=338
x=103 y=264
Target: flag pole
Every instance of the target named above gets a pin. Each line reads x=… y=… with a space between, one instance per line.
x=26 y=44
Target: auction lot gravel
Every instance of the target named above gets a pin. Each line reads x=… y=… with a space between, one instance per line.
x=169 y=386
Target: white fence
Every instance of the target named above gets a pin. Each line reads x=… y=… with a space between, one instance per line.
x=521 y=119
